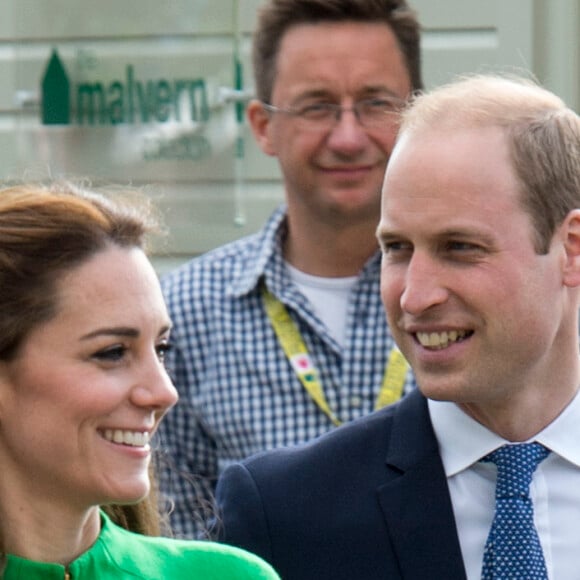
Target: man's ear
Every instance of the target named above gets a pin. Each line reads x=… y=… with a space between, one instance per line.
x=259 y=120
x=571 y=231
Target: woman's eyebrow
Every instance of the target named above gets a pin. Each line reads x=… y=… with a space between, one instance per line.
x=112 y=331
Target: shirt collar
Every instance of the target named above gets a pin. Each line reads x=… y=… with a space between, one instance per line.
x=563 y=434
x=265 y=260
x=463 y=441
x=267 y=250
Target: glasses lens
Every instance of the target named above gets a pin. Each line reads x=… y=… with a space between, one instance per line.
x=318 y=116
x=378 y=112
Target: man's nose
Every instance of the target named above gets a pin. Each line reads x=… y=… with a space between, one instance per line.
x=424 y=285
x=347 y=135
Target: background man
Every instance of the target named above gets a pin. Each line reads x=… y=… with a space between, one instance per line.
x=480 y=234
x=280 y=336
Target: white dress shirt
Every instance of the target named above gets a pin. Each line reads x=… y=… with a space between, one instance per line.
x=555 y=487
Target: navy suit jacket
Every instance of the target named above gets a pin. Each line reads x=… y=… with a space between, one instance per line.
x=368 y=500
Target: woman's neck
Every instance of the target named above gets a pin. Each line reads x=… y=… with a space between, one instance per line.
x=48 y=535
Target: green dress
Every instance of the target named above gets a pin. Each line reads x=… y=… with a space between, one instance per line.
x=123 y=555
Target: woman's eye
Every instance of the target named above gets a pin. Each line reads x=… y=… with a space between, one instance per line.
x=162 y=349
x=111 y=354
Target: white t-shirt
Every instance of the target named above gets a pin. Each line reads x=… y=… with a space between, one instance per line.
x=329 y=299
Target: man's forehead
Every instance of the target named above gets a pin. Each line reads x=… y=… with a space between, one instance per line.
x=420 y=156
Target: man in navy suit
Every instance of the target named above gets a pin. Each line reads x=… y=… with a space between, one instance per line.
x=480 y=233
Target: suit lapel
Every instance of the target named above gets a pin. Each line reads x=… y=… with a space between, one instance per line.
x=416 y=501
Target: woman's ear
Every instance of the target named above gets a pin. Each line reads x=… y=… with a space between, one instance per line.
x=259 y=121
x=571 y=231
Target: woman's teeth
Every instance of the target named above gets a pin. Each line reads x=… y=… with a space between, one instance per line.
x=133 y=438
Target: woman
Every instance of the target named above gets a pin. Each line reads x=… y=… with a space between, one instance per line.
x=83 y=333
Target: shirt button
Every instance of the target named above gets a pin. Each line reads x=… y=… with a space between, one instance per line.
x=355 y=402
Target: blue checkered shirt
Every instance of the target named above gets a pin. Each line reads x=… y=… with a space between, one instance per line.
x=238 y=393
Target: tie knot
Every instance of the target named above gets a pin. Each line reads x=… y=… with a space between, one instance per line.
x=515 y=466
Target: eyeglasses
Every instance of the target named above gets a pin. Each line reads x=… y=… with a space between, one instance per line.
x=370 y=113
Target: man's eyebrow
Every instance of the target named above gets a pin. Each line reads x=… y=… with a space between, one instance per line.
x=380 y=90
x=318 y=93
x=323 y=92
x=467 y=234
x=384 y=234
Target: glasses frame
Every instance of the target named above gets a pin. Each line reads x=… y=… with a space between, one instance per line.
x=335 y=111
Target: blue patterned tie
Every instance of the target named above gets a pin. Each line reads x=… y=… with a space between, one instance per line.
x=513 y=548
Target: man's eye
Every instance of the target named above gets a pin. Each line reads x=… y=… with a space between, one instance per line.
x=316 y=111
x=381 y=105
x=111 y=354
x=395 y=247
x=463 y=247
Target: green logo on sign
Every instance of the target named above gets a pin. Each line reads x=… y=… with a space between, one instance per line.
x=125 y=101
x=55 y=93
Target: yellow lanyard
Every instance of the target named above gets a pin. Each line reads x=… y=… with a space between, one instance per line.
x=291 y=341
